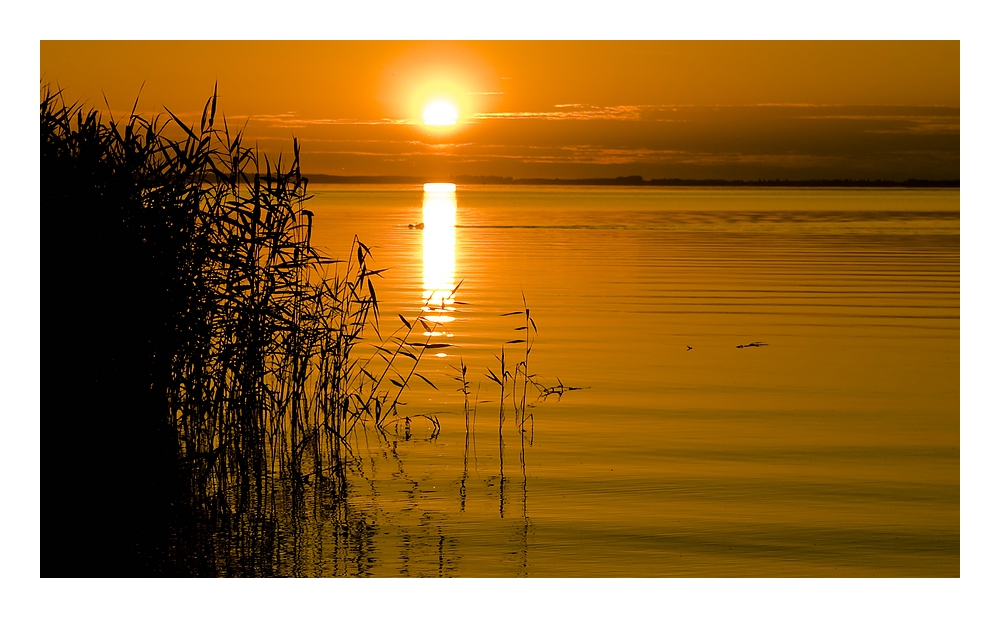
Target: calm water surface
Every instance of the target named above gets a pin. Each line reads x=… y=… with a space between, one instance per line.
x=831 y=451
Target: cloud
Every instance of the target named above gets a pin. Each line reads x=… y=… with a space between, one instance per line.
x=668 y=112
x=284 y=121
x=585 y=154
x=596 y=155
x=580 y=111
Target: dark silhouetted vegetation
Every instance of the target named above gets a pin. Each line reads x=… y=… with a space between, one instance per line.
x=207 y=347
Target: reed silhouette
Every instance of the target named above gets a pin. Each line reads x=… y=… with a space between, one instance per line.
x=209 y=348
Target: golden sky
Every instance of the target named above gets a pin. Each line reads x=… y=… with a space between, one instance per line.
x=569 y=109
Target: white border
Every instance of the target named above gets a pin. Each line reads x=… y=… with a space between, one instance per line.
x=191 y=19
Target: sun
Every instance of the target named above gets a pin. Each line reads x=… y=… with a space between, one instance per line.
x=440 y=113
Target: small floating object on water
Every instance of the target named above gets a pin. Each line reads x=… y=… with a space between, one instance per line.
x=755 y=344
x=416 y=226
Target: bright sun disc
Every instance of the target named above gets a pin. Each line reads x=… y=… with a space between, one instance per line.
x=440 y=113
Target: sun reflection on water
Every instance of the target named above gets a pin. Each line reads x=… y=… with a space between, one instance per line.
x=440 y=208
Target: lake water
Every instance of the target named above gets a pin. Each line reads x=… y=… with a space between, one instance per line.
x=833 y=450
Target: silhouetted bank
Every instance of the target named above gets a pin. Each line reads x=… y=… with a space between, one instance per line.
x=639 y=181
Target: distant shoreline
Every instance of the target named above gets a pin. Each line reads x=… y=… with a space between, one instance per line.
x=631 y=181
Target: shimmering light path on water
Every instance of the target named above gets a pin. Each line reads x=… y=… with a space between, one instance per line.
x=833 y=450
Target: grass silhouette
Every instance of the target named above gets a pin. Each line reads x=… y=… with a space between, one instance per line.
x=211 y=349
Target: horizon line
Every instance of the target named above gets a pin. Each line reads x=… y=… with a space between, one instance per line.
x=629 y=181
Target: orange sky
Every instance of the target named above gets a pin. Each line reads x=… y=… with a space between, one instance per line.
x=727 y=110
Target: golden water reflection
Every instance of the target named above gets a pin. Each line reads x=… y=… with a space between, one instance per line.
x=440 y=208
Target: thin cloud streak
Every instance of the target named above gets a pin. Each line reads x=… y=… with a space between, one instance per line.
x=594 y=155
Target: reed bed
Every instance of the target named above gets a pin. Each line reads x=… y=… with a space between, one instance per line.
x=222 y=347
